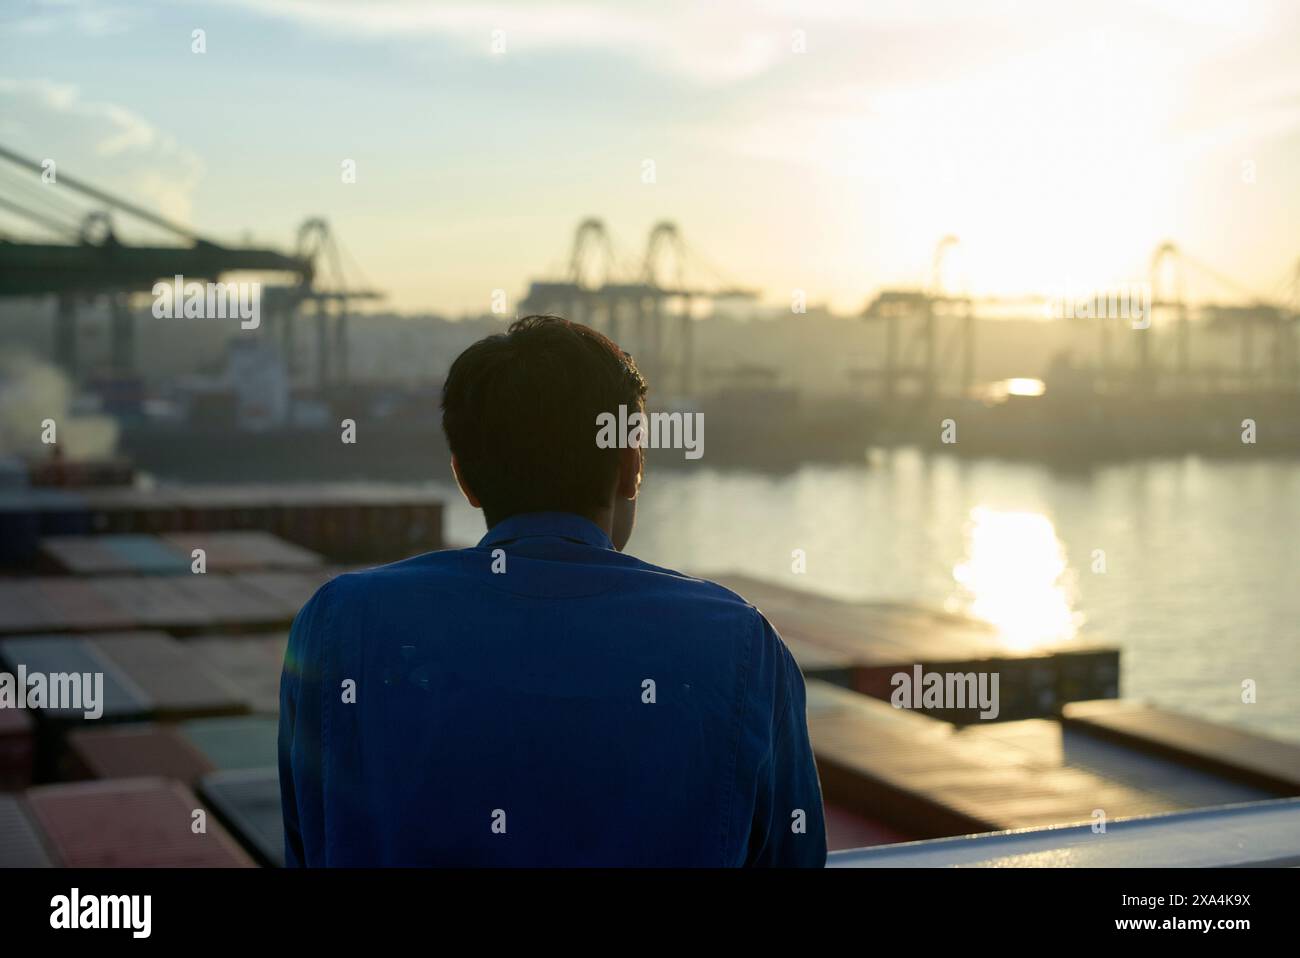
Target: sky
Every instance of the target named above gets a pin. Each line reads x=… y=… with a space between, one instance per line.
x=820 y=146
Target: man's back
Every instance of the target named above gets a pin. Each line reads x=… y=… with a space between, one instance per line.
x=542 y=700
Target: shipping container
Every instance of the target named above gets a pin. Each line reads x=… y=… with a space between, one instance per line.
x=250 y=665
x=248 y=803
x=22 y=609
x=21 y=842
x=181 y=604
x=147 y=555
x=229 y=604
x=345 y=523
x=79 y=555
x=62 y=512
x=131 y=823
x=139 y=749
x=241 y=551
x=72 y=655
x=289 y=590
x=177 y=682
x=154 y=602
x=75 y=604
x=236 y=743
x=20 y=529
x=17 y=749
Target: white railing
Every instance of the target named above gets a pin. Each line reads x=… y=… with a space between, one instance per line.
x=1255 y=833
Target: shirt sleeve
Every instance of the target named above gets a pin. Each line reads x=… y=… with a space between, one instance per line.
x=789 y=828
x=300 y=731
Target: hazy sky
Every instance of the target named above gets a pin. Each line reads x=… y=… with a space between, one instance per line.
x=1060 y=141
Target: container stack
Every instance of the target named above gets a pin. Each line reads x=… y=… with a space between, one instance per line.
x=131 y=823
x=167 y=611
x=345 y=523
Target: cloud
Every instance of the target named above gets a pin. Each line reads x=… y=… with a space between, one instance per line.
x=45 y=17
x=705 y=42
x=104 y=144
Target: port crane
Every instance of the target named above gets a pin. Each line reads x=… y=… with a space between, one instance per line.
x=925 y=328
x=88 y=260
x=646 y=305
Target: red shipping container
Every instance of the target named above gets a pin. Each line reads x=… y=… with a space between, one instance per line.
x=131 y=823
x=133 y=751
x=17 y=749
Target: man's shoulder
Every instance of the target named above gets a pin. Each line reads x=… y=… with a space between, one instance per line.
x=445 y=560
x=352 y=585
x=713 y=609
x=673 y=595
x=457 y=568
x=695 y=587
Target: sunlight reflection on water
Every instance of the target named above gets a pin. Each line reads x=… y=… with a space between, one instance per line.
x=1198 y=590
x=1015 y=576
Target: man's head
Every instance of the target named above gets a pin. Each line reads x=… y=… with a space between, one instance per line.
x=520 y=413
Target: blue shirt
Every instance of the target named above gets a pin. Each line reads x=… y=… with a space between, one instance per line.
x=542 y=700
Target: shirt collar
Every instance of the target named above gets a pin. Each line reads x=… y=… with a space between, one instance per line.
x=560 y=525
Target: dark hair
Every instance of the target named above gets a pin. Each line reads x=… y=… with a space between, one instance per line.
x=519 y=410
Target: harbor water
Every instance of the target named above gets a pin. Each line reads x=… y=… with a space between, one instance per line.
x=1190 y=566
